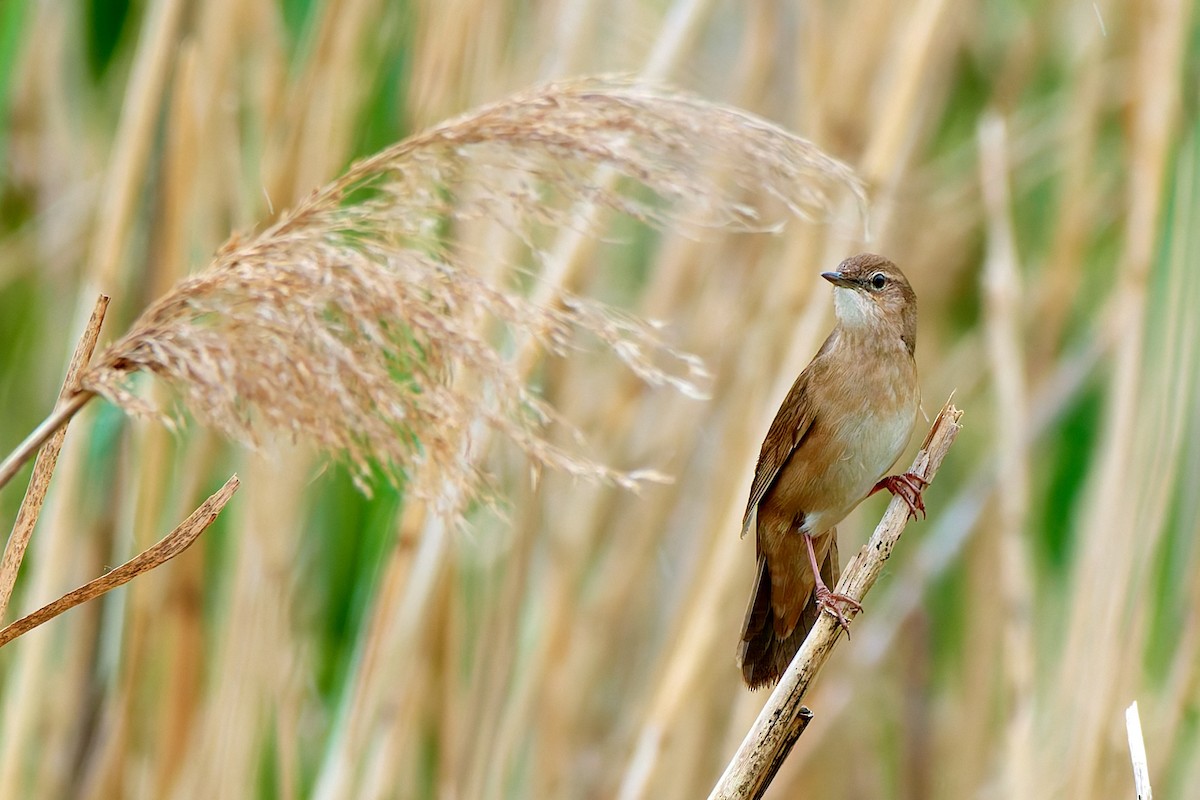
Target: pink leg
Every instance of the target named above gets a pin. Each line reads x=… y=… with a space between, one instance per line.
x=908 y=487
x=826 y=599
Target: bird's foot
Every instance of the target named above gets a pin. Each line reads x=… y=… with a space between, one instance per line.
x=907 y=487
x=828 y=602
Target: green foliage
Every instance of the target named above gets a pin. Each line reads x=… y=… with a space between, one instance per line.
x=107 y=21
x=348 y=539
x=1068 y=457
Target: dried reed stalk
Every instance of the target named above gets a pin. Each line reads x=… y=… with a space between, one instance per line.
x=1137 y=753
x=63 y=412
x=343 y=321
x=1003 y=292
x=774 y=731
x=43 y=467
x=171 y=545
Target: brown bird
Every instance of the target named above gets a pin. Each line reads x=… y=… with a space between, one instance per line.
x=844 y=422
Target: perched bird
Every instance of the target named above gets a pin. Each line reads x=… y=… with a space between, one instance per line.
x=844 y=422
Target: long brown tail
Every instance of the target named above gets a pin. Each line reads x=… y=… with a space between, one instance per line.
x=762 y=654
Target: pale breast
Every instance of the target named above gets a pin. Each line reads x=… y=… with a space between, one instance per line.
x=867 y=424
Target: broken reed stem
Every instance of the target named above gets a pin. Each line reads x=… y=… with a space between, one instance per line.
x=1137 y=753
x=781 y=720
x=52 y=432
x=167 y=548
x=792 y=735
x=24 y=451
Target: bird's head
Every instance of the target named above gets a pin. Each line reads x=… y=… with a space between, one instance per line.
x=872 y=292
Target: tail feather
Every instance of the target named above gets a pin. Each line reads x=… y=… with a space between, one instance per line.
x=762 y=654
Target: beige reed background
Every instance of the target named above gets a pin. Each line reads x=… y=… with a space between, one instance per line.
x=1035 y=169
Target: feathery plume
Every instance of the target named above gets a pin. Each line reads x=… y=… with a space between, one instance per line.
x=358 y=321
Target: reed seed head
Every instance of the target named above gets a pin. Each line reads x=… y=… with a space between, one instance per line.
x=359 y=320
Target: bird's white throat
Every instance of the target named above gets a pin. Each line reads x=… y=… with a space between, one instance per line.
x=854 y=308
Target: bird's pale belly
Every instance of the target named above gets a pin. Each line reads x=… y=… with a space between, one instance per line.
x=866 y=445
x=877 y=443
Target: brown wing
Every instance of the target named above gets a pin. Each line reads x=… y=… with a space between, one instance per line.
x=792 y=422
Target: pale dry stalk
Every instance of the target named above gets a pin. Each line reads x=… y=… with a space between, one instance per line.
x=1002 y=288
x=774 y=731
x=43 y=467
x=62 y=414
x=918 y=51
x=1137 y=753
x=181 y=538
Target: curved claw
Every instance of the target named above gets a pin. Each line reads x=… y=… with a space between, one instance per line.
x=828 y=601
x=907 y=487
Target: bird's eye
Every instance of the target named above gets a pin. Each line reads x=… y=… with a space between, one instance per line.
x=878 y=280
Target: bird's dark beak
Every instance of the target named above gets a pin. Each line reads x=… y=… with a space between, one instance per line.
x=838 y=279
